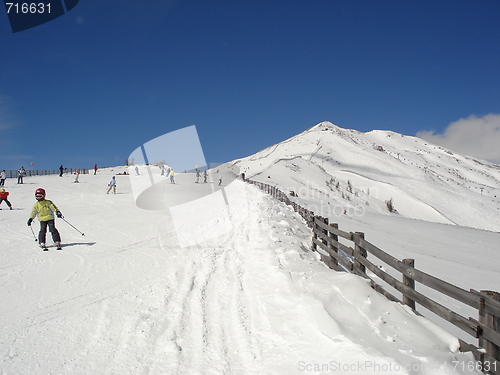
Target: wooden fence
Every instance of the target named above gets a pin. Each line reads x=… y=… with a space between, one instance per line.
x=43 y=172
x=359 y=258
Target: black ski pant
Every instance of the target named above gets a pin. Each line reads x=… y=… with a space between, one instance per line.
x=53 y=231
x=6 y=201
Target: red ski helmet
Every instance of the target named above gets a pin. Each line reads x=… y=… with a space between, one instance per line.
x=40 y=191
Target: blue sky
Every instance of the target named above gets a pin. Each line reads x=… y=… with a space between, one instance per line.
x=93 y=85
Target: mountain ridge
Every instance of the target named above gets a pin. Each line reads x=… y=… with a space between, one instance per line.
x=423 y=180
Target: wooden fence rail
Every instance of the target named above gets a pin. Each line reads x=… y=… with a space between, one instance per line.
x=360 y=258
x=43 y=172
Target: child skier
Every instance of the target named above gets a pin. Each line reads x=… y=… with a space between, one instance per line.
x=45 y=210
x=112 y=185
x=3 y=197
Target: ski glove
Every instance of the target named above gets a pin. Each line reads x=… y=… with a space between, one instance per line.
x=59 y=214
x=29 y=222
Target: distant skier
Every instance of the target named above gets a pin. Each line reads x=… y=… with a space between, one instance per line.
x=198 y=175
x=45 y=210
x=172 y=174
x=137 y=171
x=219 y=176
x=112 y=185
x=61 y=171
x=196 y=167
x=95 y=169
x=205 y=175
x=3 y=176
x=20 y=175
x=3 y=197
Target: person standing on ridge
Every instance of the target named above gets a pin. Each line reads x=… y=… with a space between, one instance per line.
x=45 y=210
x=95 y=169
x=3 y=176
x=3 y=197
x=172 y=174
x=61 y=170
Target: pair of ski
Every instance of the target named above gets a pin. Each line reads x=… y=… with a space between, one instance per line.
x=46 y=248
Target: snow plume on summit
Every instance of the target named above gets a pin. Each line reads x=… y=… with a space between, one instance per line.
x=340 y=172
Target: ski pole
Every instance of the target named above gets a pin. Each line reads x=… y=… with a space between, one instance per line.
x=72 y=226
x=36 y=239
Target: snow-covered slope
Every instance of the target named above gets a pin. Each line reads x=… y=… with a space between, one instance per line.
x=127 y=299
x=348 y=170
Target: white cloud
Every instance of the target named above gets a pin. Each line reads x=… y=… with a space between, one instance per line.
x=473 y=136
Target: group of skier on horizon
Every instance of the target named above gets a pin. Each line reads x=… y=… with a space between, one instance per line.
x=46 y=210
x=168 y=171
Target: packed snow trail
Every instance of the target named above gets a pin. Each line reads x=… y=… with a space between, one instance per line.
x=126 y=299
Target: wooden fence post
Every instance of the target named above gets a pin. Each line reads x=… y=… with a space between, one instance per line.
x=490 y=320
x=409 y=282
x=315 y=234
x=335 y=238
x=327 y=259
x=325 y=232
x=359 y=252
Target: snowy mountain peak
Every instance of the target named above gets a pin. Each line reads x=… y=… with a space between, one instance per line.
x=330 y=165
x=327 y=126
